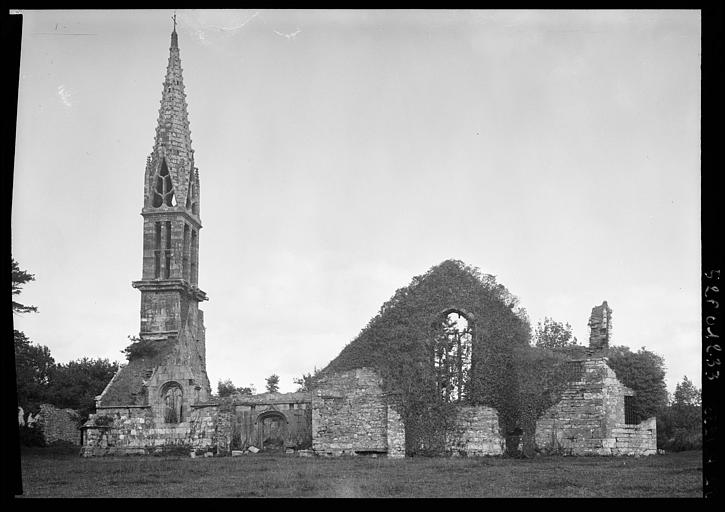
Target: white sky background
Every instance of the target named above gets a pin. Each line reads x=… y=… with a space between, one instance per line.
x=342 y=153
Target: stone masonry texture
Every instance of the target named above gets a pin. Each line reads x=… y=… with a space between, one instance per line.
x=59 y=424
x=351 y=415
x=600 y=324
x=589 y=418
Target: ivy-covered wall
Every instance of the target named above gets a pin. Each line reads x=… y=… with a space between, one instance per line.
x=399 y=344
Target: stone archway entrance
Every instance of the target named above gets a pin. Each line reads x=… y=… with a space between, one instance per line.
x=272 y=429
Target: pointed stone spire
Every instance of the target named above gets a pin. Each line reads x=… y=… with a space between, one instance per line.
x=173 y=136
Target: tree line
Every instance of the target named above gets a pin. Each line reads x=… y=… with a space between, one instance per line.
x=75 y=384
x=40 y=380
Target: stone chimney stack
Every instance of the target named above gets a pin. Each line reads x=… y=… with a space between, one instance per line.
x=600 y=323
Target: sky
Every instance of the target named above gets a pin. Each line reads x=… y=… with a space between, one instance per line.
x=342 y=153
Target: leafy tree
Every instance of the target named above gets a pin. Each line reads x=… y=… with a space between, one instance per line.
x=33 y=367
x=273 y=383
x=226 y=388
x=552 y=334
x=19 y=278
x=686 y=393
x=40 y=380
x=32 y=362
x=644 y=373
x=306 y=382
x=679 y=425
x=76 y=384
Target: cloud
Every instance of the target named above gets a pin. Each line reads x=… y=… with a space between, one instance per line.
x=65 y=95
x=211 y=26
x=288 y=36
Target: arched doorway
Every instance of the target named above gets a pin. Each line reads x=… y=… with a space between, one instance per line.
x=272 y=430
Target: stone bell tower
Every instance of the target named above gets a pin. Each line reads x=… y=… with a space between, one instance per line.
x=168 y=371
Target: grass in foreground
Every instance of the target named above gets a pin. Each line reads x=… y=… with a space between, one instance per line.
x=48 y=474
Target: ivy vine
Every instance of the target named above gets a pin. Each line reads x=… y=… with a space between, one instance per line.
x=507 y=373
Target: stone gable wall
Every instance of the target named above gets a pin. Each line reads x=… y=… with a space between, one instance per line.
x=589 y=418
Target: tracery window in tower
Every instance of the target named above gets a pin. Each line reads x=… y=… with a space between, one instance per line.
x=453 y=340
x=172 y=402
x=163 y=189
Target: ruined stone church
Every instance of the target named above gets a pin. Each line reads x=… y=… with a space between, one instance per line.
x=161 y=400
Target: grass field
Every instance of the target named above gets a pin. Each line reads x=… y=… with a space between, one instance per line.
x=52 y=474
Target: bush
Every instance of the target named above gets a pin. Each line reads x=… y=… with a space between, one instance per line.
x=30 y=436
x=145 y=348
x=679 y=428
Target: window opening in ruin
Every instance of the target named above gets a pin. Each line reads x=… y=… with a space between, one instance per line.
x=168 y=234
x=452 y=356
x=167 y=265
x=157 y=238
x=157 y=264
x=163 y=191
x=630 y=417
x=171 y=399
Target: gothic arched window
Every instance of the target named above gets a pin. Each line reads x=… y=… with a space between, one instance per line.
x=163 y=189
x=453 y=340
x=171 y=401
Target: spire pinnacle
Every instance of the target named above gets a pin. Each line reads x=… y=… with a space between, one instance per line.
x=172 y=142
x=174 y=36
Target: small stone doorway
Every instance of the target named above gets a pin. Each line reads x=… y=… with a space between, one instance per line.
x=272 y=428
